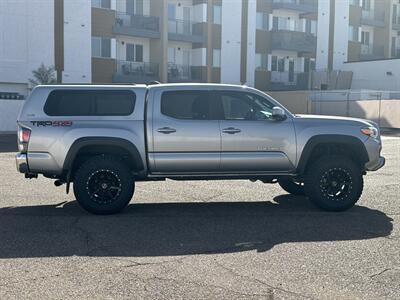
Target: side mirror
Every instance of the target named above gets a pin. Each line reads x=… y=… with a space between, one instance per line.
x=278 y=114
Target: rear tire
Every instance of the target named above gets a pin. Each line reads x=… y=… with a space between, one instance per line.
x=334 y=183
x=292 y=187
x=103 y=185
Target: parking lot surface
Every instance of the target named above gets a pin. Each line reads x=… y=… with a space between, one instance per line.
x=199 y=240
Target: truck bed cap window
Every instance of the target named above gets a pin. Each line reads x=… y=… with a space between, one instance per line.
x=90 y=103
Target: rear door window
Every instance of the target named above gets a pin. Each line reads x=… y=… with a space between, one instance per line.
x=189 y=105
x=90 y=103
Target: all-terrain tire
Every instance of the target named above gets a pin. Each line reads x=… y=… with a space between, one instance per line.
x=334 y=183
x=103 y=185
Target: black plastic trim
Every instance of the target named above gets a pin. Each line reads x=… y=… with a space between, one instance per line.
x=102 y=141
x=331 y=139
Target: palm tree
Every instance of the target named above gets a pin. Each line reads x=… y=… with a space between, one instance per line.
x=43 y=75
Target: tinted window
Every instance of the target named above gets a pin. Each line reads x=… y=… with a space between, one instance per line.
x=90 y=103
x=245 y=106
x=190 y=105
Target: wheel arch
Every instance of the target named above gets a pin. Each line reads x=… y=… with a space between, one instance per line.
x=333 y=144
x=102 y=145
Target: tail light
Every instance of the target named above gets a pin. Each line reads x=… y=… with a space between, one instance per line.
x=24 y=134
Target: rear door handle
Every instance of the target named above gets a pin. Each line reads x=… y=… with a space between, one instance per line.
x=166 y=130
x=231 y=130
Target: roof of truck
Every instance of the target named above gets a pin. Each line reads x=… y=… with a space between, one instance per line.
x=136 y=85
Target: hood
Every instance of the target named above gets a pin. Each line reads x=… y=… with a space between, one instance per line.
x=338 y=119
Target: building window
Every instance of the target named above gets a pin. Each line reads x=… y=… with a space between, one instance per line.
x=171 y=55
x=355 y=2
x=311 y=26
x=393 y=49
x=134 y=7
x=365 y=38
x=217 y=14
x=261 y=61
x=366 y=4
x=281 y=64
x=101 y=47
x=274 y=63
x=286 y=23
x=309 y=64
x=139 y=53
x=171 y=11
x=262 y=21
x=134 y=52
x=312 y=64
x=277 y=63
x=216 y=58
x=353 y=34
x=101 y=3
x=306 y=64
x=395 y=17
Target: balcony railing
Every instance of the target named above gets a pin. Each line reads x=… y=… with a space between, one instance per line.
x=178 y=73
x=373 y=18
x=281 y=81
x=308 y=6
x=136 y=72
x=293 y=41
x=137 y=25
x=184 y=73
x=370 y=52
x=180 y=26
x=185 y=31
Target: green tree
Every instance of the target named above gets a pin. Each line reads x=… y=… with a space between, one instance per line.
x=43 y=75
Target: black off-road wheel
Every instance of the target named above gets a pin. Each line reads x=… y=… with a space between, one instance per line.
x=292 y=186
x=334 y=183
x=103 y=185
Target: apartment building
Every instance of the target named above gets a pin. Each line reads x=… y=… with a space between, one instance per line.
x=357 y=30
x=269 y=44
x=144 y=40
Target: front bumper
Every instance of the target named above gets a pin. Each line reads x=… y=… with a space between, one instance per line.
x=375 y=160
x=22 y=163
x=376 y=165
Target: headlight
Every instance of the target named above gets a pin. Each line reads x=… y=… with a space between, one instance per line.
x=370 y=131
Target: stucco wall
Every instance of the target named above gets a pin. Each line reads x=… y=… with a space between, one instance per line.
x=384 y=112
x=377 y=75
x=9 y=110
x=295 y=101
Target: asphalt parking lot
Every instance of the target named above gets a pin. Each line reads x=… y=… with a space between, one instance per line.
x=197 y=240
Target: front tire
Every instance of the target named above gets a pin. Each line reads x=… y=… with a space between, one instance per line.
x=334 y=183
x=103 y=185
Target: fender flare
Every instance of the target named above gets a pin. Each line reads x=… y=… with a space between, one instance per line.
x=80 y=143
x=317 y=140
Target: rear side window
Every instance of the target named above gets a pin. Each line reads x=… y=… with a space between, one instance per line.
x=90 y=103
x=188 y=105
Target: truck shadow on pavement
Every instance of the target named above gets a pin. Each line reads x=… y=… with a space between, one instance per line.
x=169 y=229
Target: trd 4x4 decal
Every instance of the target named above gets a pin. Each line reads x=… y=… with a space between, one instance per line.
x=52 y=123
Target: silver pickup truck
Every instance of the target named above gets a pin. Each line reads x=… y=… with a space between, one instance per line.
x=104 y=138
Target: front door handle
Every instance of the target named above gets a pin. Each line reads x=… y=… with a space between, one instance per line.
x=166 y=130
x=231 y=130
